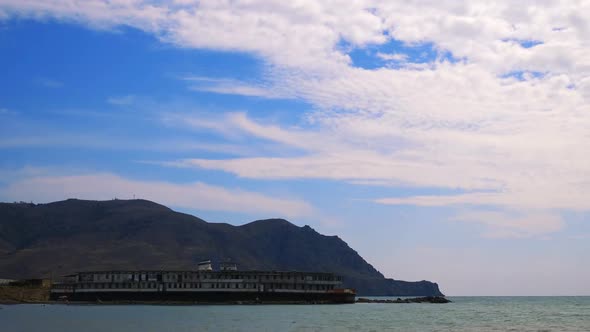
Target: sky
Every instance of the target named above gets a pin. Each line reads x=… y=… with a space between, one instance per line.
x=442 y=140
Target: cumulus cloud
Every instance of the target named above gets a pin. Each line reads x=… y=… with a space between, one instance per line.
x=307 y=34
x=291 y=33
x=197 y=195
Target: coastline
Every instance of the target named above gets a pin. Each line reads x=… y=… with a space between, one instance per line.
x=11 y=295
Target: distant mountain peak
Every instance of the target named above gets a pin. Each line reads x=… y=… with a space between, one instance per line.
x=115 y=202
x=271 y=222
x=139 y=234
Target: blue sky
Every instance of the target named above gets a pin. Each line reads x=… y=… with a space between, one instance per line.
x=452 y=150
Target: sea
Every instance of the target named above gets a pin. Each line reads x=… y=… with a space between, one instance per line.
x=464 y=314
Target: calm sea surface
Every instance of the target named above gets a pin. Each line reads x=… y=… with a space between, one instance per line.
x=465 y=314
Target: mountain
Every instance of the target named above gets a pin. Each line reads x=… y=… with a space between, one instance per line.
x=41 y=240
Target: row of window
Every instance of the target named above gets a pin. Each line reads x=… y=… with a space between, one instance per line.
x=189 y=285
x=197 y=276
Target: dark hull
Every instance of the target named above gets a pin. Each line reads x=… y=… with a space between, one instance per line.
x=206 y=297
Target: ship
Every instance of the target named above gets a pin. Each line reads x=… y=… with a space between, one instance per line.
x=204 y=285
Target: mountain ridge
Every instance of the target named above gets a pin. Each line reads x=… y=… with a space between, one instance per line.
x=67 y=236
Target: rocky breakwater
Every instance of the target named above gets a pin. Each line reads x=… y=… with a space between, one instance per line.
x=15 y=294
x=425 y=299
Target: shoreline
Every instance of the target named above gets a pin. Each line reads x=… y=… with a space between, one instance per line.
x=11 y=295
x=423 y=299
x=427 y=299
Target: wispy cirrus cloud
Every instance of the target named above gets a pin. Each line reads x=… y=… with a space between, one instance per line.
x=233 y=87
x=121 y=143
x=538 y=199
x=197 y=195
x=540 y=178
x=502 y=224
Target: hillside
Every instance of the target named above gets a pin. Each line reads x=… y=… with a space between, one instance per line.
x=40 y=240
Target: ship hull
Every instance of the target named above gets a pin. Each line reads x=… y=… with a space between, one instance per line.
x=211 y=297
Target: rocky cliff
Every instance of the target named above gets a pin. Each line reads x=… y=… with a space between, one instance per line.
x=40 y=240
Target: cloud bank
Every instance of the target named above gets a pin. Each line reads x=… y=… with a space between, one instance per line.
x=500 y=113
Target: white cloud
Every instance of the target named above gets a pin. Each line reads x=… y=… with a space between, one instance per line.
x=237 y=89
x=513 y=225
x=392 y=56
x=291 y=33
x=472 y=125
x=307 y=34
x=121 y=143
x=197 y=195
x=237 y=126
x=232 y=87
x=542 y=198
x=10 y=175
